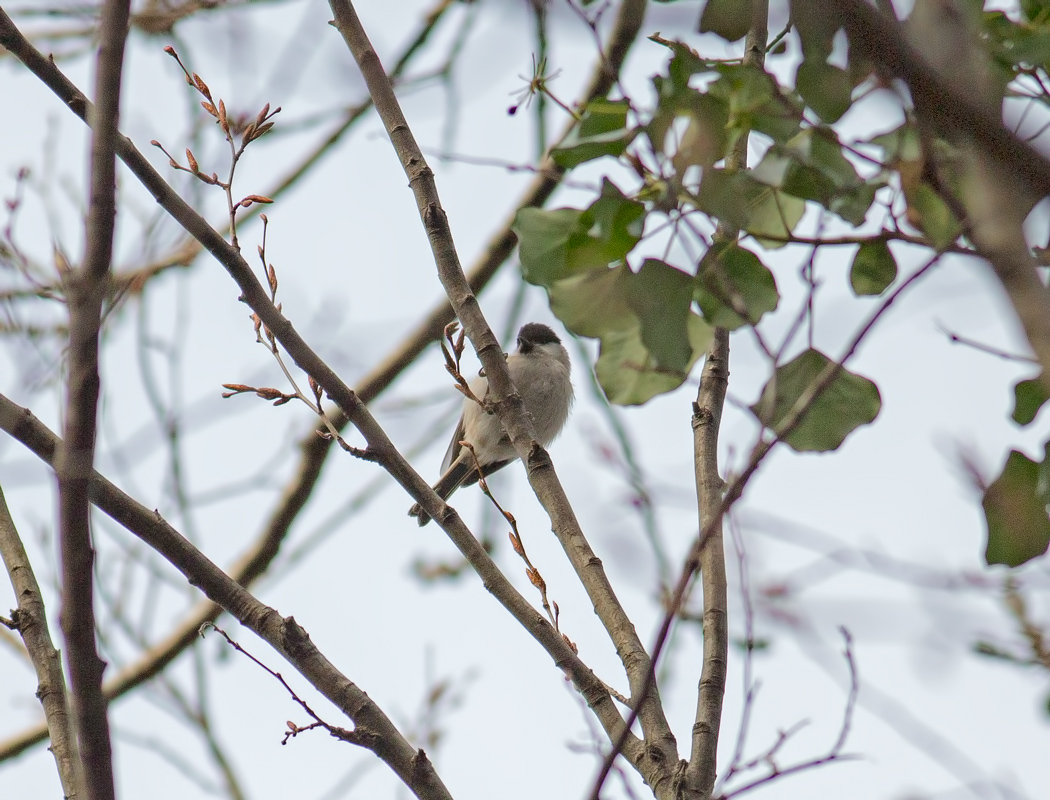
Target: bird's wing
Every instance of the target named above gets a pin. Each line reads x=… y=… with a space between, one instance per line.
x=453 y=447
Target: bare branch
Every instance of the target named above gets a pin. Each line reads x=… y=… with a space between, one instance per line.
x=256 y=297
x=285 y=635
x=353 y=737
x=834 y=753
x=85 y=290
x=707 y=418
x=31 y=621
x=502 y=393
x=953 y=113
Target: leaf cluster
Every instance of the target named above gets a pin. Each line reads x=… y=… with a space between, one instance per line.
x=654 y=317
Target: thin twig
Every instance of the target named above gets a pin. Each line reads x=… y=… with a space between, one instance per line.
x=834 y=753
x=353 y=737
x=955 y=338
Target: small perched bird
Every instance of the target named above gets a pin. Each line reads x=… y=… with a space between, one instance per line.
x=540 y=370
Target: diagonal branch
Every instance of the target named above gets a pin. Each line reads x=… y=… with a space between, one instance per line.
x=185 y=252
x=502 y=392
x=878 y=38
x=380 y=448
x=314 y=449
x=285 y=635
x=952 y=113
x=31 y=621
x=85 y=290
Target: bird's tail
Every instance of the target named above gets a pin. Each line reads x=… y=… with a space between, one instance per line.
x=446 y=485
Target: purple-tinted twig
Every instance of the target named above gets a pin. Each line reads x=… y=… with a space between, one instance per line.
x=353 y=737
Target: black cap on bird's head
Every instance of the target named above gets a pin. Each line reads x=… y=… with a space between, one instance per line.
x=535 y=333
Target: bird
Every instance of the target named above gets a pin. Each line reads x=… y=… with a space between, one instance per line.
x=541 y=372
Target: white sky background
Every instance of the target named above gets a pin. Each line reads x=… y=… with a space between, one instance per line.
x=356 y=274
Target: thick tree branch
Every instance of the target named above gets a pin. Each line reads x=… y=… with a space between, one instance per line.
x=954 y=113
x=374 y=729
x=707 y=418
x=379 y=446
x=879 y=39
x=85 y=289
x=502 y=392
x=31 y=620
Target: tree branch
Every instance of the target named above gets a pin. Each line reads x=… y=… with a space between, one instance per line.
x=379 y=445
x=878 y=39
x=953 y=113
x=185 y=252
x=85 y=290
x=31 y=620
x=285 y=635
x=502 y=392
x=707 y=418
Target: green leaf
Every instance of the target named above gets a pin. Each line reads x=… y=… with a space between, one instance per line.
x=848 y=402
x=627 y=371
x=932 y=216
x=594 y=302
x=826 y=88
x=1014 y=44
x=874 y=268
x=853 y=205
x=556 y=244
x=744 y=203
x=706 y=137
x=1036 y=10
x=730 y=19
x=1015 y=511
x=811 y=166
x=684 y=64
x=755 y=102
x=1029 y=397
x=543 y=238
x=900 y=144
x=731 y=277
x=655 y=300
x=602 y=132
x=816 y=28
x=609 y=229
x=660 y=296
